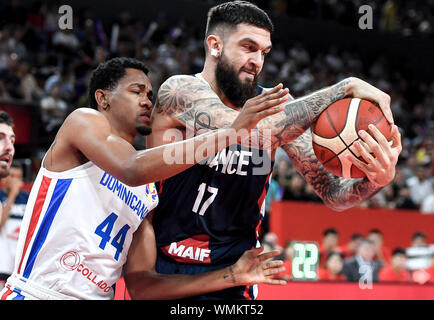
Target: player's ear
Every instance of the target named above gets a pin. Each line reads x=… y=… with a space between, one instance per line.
x=214 y=44
x=102 y=99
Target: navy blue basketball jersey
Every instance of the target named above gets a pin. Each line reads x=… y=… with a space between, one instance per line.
x=210 y=214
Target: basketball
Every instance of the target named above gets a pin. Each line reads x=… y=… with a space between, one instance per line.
x=336 y=130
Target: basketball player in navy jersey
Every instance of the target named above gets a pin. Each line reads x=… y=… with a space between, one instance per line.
x=214 y=209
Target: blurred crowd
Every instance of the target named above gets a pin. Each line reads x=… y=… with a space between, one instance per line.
x=405 y=17
x=49 y=68
x=363 y=259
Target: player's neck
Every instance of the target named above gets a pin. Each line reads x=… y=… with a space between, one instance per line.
x=208 y=73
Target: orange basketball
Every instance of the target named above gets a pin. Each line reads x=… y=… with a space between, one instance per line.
x=336 y=130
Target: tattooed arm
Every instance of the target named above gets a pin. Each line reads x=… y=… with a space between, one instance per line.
x=340 y=193
x=194 y=105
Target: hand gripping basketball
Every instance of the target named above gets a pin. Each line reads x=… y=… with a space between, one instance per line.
x=342 y=144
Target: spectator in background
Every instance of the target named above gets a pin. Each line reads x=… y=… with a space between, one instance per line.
x=419 y=254
x=350 y=249
x=420 y=186
x=283 y=173
x=333 y=267
x=29 y=88
x=269 y=241
x=53 y=109
x=396 y=271
x=287 y=256
x=401 y=194
x=14 y=203
x=382 y=253
x=295 y=191
x=329 y=244
x=363 y=264
x=427 y=206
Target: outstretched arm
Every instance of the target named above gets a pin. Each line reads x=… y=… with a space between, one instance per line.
x=144 y=283
x=340 y=193
x=195 y=105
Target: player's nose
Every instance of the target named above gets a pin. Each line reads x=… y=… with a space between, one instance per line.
x=145 y=102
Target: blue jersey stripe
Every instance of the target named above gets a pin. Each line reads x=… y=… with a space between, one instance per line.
x=60 y=190
x=19 y=296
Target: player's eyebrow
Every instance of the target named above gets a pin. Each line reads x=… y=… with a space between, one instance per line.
x=140 y=85
x=254 y=43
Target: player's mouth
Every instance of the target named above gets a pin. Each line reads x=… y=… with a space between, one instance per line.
x=248 y=73
x=145 y=116
x=5 y=159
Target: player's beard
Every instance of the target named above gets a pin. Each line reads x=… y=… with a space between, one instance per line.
x=237 y=91
x=143 y=130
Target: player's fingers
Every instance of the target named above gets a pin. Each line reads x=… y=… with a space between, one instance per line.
x=373 y=145
x=381 y=139
x=255 y=252
x=363 y=151
x=396 y=138
x=272 y=264
x=269 y=255
x=359 y=164
x=271 y=101
x=384 y=103
x=269 y=112
x=271 y=271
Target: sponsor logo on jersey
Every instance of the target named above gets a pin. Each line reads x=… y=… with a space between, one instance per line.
x=71 y=261
x=191 y=250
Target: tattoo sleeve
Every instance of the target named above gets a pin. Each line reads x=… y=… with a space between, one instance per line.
x=337 y=193
x=196 y=106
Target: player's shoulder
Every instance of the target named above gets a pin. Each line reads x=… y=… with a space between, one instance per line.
x=84 y=115
x=81 y=120
x=182 y=81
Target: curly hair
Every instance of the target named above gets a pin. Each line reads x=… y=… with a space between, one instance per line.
x=107 y=75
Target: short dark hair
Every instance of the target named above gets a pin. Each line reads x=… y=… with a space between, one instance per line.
x=419 y=234
x=398 y=250
x=107 y=75
x=6 y=118
x=356 y=236
x=335 y=253
x=230 y=14
x=376 y=231
x=330 y=231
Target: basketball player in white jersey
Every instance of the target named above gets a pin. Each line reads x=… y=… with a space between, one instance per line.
x=84 y=221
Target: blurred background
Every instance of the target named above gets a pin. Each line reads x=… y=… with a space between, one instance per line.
x=44 y=73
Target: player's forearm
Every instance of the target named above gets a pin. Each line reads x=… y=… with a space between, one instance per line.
x=337 y=193
x=152 y=286
x=167 y=160
x=301 y=113
x=348 y=193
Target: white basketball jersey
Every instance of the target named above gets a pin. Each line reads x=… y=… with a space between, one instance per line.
x=76 y=233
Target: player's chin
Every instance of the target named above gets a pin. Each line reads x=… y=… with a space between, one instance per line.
x=143 y=129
